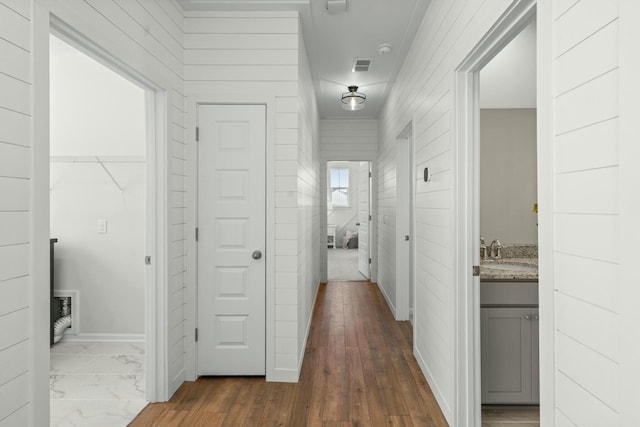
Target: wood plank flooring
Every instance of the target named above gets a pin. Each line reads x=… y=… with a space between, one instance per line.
x=358 y=370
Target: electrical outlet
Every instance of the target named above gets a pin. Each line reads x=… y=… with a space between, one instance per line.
x=102 y=226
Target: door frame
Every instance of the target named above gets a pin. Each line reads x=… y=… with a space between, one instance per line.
x=155 y=359
x=373 y=200
x=466 y=208
x=194 y=100
x=405 y=223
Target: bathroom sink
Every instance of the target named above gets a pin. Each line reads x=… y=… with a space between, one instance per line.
x=510 y=267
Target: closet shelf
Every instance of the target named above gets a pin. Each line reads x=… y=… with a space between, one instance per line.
x=97 y=159
x=102 y=161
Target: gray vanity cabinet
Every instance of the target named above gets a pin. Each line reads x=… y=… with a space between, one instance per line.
x=510 y=369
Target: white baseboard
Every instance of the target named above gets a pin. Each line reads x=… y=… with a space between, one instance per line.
x=89 y=337
x=293 y=375
x=437 y=392
x=284 y=376
x=386 y=297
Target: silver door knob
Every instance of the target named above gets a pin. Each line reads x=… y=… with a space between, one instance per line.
x=256 y=255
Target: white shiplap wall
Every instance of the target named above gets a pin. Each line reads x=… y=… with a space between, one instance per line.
x=15 y=195
x=423 y=92
x=308 y=167
x=261 y=54
x=146 y=37
x=348 y=139
x=386 y=224
x=586 y=213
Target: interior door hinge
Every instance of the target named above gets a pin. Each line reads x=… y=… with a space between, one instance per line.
x=369 y=260
x=370 y=217
x=476 y=270
x=196 y=334
x=147 y=260
x=197 y=133
x=197 y=234
x=369 y=174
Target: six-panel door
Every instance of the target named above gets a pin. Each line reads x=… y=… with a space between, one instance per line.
x=231 y=241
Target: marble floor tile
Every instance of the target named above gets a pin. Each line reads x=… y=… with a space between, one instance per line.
x=115 y=348
x=67 y=363
x=70 y=347
x=94 y=413
x=94 y=386
x=124 y=364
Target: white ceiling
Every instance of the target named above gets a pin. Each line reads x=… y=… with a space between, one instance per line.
x=509 y=79
x=335 y=40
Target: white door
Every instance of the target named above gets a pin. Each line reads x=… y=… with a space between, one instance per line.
x=363 y=219
x=231 y=240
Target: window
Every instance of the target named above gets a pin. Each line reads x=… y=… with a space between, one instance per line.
x=339 y=184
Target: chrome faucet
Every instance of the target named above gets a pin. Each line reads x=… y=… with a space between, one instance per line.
x=483 y=248
x=495 y=249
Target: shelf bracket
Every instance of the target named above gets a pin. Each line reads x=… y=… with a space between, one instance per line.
x=101 y=163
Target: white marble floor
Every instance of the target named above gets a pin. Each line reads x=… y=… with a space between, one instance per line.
x=96 y=384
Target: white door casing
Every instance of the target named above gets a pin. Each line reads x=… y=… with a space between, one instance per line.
x=231 y=241
x=364 y=212
x=404 y=208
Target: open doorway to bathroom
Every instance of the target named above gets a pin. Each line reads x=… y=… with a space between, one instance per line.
x=98 y=221
x=348 y=220
x=509 y=234
x=497 y=353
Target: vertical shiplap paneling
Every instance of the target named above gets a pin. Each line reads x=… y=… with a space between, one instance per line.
x=586 y=209
x=423 y=93
x=247 y=53
x=147 y=36
x=15 y=173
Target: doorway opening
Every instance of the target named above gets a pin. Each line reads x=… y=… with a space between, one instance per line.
x=99 y=193
x=488 y=373
x=507 y=212
x=348 y=220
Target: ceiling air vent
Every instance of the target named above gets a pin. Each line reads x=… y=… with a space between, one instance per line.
x=362 y=64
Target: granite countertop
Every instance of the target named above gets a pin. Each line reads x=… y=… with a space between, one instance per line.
x=524 y=258
x=504 y=273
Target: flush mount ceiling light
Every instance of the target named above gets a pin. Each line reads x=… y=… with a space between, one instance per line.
x=353 y=100
x=384 y=49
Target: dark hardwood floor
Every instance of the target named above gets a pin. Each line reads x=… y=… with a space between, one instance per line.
x=358 y=370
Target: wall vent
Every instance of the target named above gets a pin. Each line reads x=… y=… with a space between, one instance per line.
x=72 y=298
x=362 y=64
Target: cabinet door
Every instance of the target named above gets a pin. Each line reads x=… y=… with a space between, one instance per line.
x=535 y=356
x=506 y=341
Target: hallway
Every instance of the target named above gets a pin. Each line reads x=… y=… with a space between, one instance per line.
x=358 y=370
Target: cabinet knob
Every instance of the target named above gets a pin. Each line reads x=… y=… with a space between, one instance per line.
x=527 y=317
x=535 y=317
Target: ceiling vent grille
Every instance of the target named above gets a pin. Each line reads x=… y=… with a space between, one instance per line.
x=362 y=64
